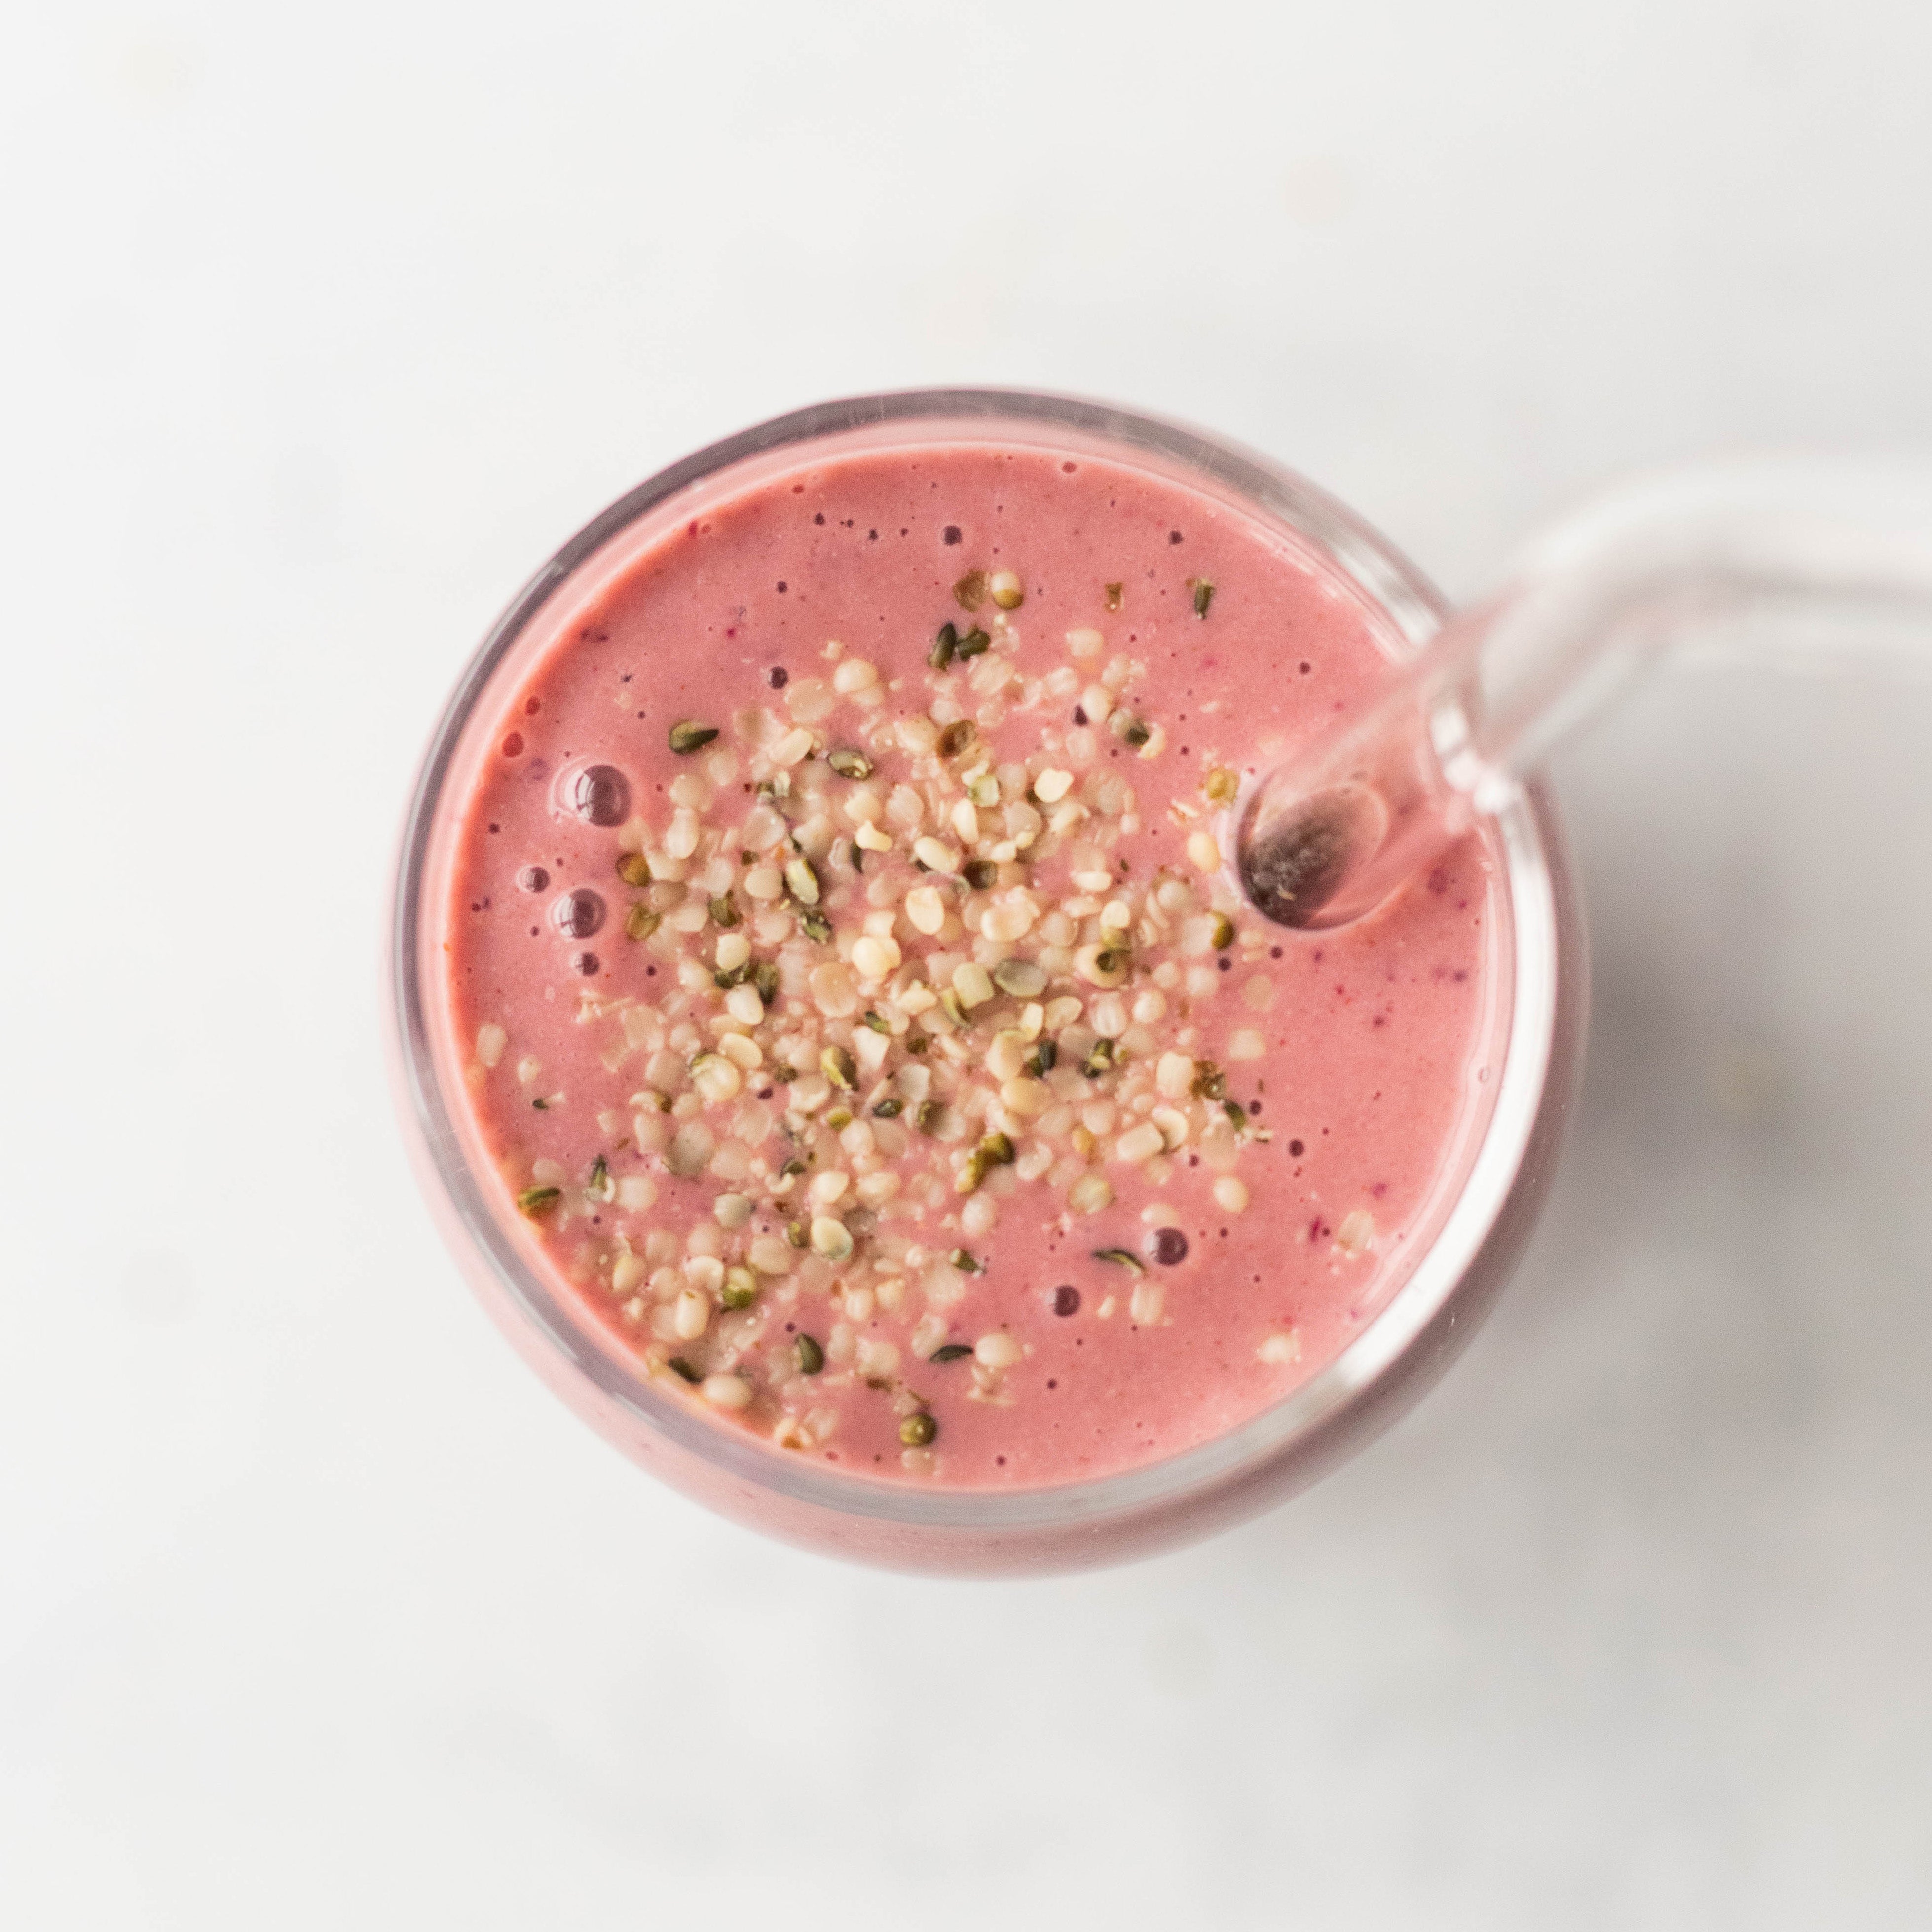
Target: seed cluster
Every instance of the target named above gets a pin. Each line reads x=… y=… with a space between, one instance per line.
x=903 y=979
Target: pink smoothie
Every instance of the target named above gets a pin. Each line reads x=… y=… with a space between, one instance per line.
x=864 y=1024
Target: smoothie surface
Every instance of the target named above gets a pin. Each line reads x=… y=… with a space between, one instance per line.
x=859 y=1015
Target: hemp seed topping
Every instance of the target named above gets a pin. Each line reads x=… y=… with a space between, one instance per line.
x=943 y=1046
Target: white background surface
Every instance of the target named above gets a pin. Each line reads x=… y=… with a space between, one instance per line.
x=321 y=328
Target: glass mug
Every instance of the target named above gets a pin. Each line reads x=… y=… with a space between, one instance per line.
x=1465 y=1247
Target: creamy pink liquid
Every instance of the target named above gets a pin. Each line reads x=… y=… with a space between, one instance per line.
x=1355 y=1058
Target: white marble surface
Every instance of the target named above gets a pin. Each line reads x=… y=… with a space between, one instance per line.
x=315 y=1611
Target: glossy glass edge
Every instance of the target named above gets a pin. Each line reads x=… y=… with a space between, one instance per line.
x=1399 y=591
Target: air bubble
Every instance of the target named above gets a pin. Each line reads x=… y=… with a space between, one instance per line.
x=600 y=794
x=577 y=914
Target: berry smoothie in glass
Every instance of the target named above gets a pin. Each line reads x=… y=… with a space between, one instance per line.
x=848 y=1029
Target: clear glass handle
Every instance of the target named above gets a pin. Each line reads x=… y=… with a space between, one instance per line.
x=1330 y=833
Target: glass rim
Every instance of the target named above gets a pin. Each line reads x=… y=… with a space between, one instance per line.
x=1528 y=1031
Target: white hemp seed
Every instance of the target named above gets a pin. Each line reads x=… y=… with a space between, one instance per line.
x=1357 y=1233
